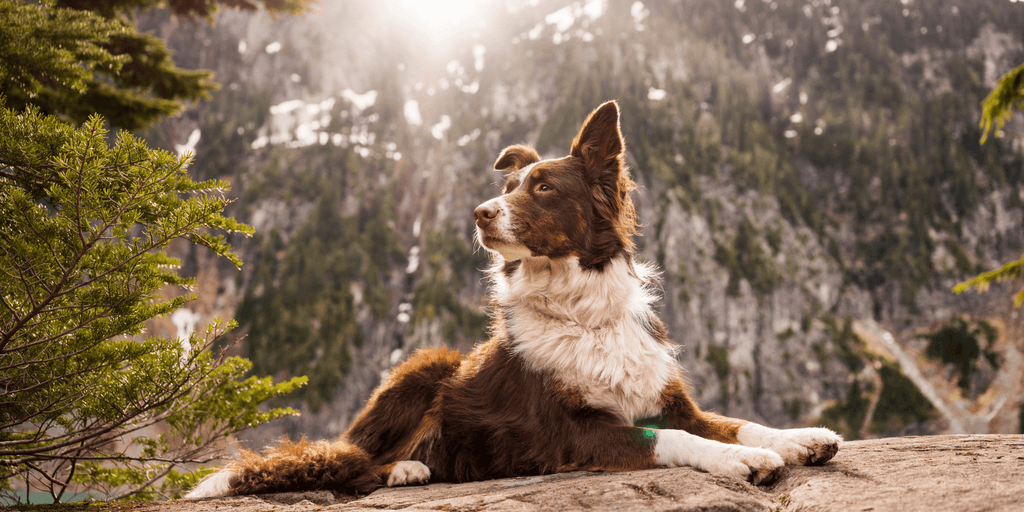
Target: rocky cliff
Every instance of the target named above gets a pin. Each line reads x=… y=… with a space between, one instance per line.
x=811 y=186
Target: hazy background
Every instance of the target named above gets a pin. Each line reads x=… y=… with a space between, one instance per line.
x=811 y=183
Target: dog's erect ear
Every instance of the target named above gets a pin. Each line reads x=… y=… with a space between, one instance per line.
x=516 y=157
x=601 y=147
x=600 y=139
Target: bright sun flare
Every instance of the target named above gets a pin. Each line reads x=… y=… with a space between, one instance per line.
x=439 y=14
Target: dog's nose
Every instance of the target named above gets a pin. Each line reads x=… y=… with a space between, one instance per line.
x=485 y=213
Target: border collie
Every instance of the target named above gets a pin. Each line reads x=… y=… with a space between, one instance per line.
x=579 y=373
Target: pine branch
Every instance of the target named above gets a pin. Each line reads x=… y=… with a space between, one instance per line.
x=999 y=104
x=1012 y=270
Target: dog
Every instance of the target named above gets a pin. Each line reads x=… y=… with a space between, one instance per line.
x=578 y=373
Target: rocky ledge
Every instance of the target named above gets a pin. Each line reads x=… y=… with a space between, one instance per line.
x=938 y=473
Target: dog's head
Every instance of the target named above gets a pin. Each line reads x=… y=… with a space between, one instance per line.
x=577 y=205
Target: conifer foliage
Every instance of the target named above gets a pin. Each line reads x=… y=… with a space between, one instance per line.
x=79 y=57
x=81 y=257
x=998 y=108
x=88 y=402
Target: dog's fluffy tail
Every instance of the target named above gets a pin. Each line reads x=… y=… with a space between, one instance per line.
x=338 y=466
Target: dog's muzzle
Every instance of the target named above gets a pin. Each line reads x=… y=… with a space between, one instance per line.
x=486 y=213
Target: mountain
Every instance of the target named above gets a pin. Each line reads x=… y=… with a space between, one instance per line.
x=811 y=183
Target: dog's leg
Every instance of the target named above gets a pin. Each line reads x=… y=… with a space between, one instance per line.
x=370 y=455
x=616 y=448
x=691 y=437
x=395 y=421
x=796 y=446
x=805 y=446
x=408 y=472
x=680 y=448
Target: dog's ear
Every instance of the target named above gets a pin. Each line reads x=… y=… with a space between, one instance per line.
x=601 y=147
x=599 y=142
x=516 y=157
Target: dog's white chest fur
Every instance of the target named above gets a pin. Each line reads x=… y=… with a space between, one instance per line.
x=589 y=330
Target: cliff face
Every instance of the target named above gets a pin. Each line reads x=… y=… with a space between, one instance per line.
x=909 y=474
x=810 y=184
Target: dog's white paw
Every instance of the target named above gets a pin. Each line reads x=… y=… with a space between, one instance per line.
x=804 y=446
x=408 y=472
x=756 y=465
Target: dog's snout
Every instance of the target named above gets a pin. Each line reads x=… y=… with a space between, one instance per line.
x=485 y=213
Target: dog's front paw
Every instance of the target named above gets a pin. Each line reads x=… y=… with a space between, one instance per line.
x=804 y=446
x=755 y=465
x=408 y=472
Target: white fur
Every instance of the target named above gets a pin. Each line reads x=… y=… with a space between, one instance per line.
x=794 y=445
x=525 y=172
x=213 y=486
x=679 y=448
x=588 y=329
x=408 y=472
x=501 y=238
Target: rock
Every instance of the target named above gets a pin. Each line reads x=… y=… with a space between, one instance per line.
x=961 y=473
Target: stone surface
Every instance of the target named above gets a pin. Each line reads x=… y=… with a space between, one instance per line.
x=956 y=473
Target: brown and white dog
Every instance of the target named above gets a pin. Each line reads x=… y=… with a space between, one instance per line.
x=579 y=373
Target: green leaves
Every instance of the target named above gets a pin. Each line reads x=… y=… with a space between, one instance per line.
x=82 y=258
x=75 y=58
x=999 y=104
x=44 y=48
x=1013 y=270
x=998 y=107
x=76 y=63
x=85 y=226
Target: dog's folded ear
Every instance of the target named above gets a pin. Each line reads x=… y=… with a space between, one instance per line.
x=516 y=157
x=600 y=141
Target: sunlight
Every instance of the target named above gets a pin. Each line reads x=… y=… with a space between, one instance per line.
x=439 y=14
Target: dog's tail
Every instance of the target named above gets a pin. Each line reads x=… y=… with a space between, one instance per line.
x=338 y=466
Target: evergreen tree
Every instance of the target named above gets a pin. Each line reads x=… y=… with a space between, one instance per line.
x=998 y=107
x=79 y=57
x=81 y=258
x=86 y=223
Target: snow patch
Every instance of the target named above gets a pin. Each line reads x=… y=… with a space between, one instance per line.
x=360 y=101
x=639 y=13
x=412 y=113
x=185 y=320
x=478 y=57
x=439 y=129
x=781 y=86
x=189 y=147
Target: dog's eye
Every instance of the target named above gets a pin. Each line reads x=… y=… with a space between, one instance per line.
x=543 y=187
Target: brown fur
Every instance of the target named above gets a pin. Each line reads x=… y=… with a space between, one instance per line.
x=516 y=157
x=603 y=150
x=415 y=384
x=339 y=466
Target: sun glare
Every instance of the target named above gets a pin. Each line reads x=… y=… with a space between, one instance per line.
x=440 y=15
